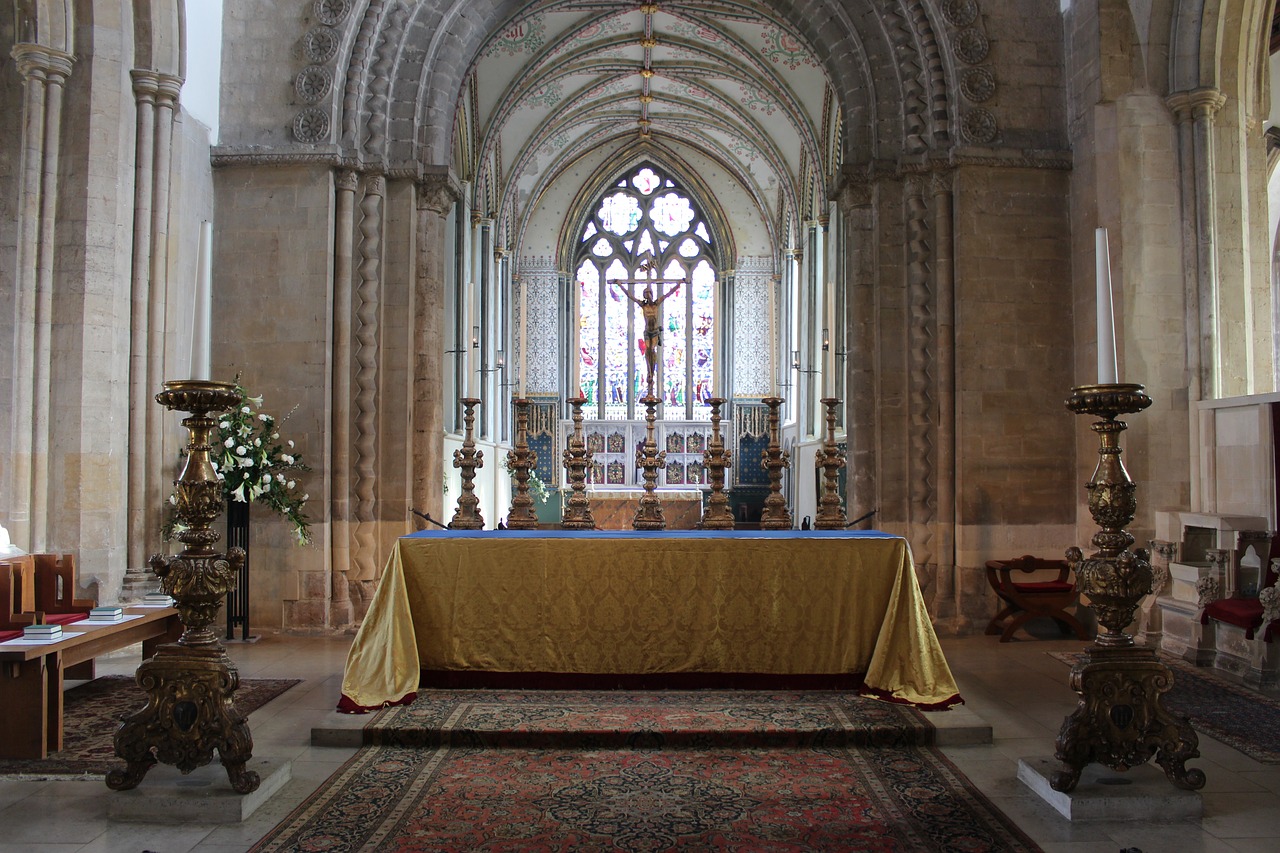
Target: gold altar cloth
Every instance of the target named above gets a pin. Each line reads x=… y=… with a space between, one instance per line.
x=610 y=603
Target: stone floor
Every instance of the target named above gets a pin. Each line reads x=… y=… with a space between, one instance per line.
x=1016 y=687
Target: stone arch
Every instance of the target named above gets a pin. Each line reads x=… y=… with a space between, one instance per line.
x=159 y=37
x=50 y=23
x=1214 y=44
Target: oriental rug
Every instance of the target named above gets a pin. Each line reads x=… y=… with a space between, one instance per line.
x=646 y=771
x=1243 y=719
x=90 y=714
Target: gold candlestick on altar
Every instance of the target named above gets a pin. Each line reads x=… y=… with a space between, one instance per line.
x=190 y=711
x=776 y=515
x=577 y=459
x=716 y=459
x=830 y=508
x=650 y=459
x=1120 y=721
x=522 y=461
x=467 y=460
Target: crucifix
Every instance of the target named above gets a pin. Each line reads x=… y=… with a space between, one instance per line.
x=650 y=305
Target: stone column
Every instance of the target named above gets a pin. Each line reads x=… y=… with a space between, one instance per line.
x=159 y=466
x=860 y=367
x=144 y=90
x=1195 y=111
x=944 y=278
x=922 y=407
x=436 y=198
x=341 y=612
x=43 y=71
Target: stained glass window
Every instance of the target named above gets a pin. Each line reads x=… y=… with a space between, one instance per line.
x=646 y=227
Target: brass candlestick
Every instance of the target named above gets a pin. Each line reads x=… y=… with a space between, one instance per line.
x=190 y=685
x=1120 y=721
x=649 y=459
x=775 y=515
x=577 y=459
x=468 y=459
x=716 y=459
x=522 y=461
x=830 y=508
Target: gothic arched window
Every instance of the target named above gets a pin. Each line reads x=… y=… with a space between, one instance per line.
x=645 y=216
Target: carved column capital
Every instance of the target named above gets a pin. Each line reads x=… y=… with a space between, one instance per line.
x=1196 y=103
x=852 y=194
x=347 y=180
x=168 y=87
x=376 y=185
x=942 y=182
x=437 y=193
x=145 y=83
x=36 y=61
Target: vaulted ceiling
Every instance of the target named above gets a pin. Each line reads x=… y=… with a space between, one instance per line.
x=728 y=79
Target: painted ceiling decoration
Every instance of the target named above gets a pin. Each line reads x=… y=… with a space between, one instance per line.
x=509 y=93
x=728 y=80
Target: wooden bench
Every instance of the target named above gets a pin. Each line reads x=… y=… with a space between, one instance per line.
x=31 y=675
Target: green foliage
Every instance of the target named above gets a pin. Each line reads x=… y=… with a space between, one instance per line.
x=256 y=466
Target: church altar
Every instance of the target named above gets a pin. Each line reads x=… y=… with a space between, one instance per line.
x=781 y=603
x=615 y=509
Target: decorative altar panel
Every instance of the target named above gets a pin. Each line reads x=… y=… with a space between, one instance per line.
x=786 y=603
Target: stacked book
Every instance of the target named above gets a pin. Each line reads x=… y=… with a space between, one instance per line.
x=158 y=599
x=42 y=632
x=106 y=614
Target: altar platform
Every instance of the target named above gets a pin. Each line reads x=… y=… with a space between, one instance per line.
x=817 y=609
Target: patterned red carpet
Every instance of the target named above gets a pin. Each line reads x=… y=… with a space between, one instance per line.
x=90 y=714
x=714 y=770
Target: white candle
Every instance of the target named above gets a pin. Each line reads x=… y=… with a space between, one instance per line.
x=473 y=349
x=1107 y=372
x=716 y=378
x=202 y=305
x=773 y=339
x=575 y=358
x=522 y=332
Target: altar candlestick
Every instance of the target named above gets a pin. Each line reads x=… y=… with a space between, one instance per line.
x=1107 y=371
x=202 y=308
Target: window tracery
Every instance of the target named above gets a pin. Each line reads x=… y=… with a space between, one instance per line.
x=645 y=216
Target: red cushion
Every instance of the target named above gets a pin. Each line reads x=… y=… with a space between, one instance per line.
x=64 y=618
x=1243 y=612
x=9 y=635
x=1045 y=586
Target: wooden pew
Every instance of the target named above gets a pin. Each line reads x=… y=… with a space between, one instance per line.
x=17 y=593
x=31 y=676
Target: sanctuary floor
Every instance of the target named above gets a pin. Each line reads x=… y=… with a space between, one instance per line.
x=1017 y=687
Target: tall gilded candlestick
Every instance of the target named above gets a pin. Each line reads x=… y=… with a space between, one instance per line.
x=522 y=461
x=1120 y=721
x=716 y=459
x=467 y=516
x=650 y=460
x=577 y=459
x=831 y=514
x=776 y=515
x=190 y=711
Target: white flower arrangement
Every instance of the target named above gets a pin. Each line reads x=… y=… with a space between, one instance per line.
x=254 y=467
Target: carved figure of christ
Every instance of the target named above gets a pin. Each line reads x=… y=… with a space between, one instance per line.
x=651 y=308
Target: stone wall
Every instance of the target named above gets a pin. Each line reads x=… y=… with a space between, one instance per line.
x=273 y=279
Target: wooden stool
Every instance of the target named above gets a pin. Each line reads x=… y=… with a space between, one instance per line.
x=1025 y=600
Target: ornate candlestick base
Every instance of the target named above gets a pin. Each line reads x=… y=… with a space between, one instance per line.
x=650 y=459
x=468 y=459
x=716 y=459
x=190 y=685
x=577 y=459
x=522 y=461
x=776 y=515
x=1120 y=721
x=830 y=508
